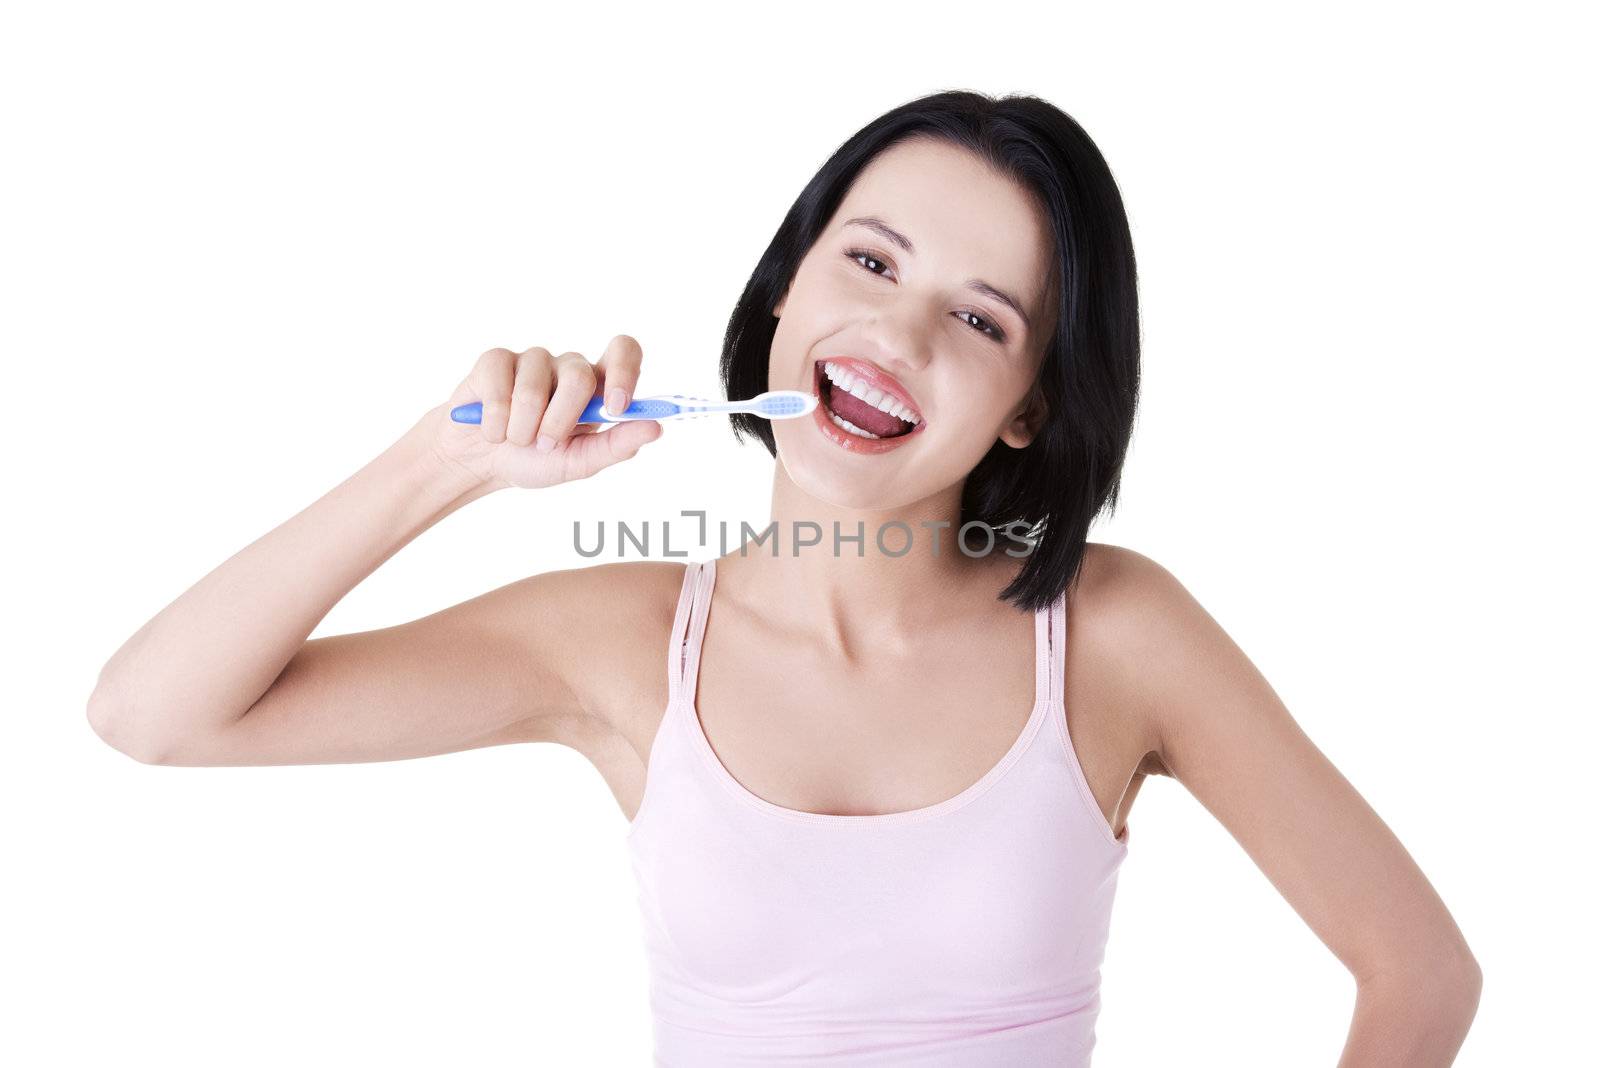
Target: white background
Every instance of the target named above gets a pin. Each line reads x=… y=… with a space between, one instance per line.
x=244 y=249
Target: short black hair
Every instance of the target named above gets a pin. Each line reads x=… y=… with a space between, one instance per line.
x=1056 y=486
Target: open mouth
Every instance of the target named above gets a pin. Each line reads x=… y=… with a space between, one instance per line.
x=855 y=407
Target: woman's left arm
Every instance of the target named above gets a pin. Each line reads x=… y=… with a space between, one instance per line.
x=1224 y=734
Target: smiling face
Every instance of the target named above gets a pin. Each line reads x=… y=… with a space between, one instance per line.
x=920 y=316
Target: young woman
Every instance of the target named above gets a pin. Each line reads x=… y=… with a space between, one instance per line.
x=878 y=793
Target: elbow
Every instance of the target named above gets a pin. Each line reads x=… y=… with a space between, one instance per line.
x=1445 y=990
x=113 y=726
x=1456 y=982
x=1451 y=998
x=1466 y=988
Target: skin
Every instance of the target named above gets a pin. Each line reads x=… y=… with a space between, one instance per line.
x=892 y=715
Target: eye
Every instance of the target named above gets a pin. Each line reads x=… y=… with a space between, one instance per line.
x=988 y=329
x=857 y=254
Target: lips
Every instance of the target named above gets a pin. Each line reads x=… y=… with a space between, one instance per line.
x=875 y=378
x=823 y=415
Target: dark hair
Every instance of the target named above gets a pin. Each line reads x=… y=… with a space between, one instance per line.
x=1090 y=375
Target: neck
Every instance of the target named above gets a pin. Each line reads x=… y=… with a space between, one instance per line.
x=856 y=598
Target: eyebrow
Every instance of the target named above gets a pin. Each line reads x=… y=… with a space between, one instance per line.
x=889 y=233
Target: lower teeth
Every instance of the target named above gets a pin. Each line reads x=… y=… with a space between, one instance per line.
x=845 y=424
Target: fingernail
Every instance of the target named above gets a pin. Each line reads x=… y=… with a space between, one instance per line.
x=616 y=401
x=545 y=443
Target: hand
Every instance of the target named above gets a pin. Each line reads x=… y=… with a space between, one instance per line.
x=532 y=395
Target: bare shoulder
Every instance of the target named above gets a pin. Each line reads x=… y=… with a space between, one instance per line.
x=1120 y=582
x=1133 y=620
x=637 y=603
x=609 y=625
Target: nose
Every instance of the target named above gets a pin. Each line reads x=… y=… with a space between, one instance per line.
x=902 y=336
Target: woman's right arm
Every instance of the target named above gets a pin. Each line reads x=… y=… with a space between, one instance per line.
x=225 y=673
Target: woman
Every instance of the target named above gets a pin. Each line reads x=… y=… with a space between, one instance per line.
x=878 y=786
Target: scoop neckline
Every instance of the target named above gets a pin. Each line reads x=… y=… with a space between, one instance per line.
x=1041 y=701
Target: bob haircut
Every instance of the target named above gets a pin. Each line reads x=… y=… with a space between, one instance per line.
x=1054 y=488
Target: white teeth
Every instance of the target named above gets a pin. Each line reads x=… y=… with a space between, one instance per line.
x=846 y=424
x=880 y=400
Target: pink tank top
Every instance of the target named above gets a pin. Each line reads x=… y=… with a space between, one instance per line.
x=964 y=933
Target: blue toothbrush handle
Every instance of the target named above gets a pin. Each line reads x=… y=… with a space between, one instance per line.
x=645 y=408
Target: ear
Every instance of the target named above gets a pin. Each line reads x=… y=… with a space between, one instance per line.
x=1027 y=420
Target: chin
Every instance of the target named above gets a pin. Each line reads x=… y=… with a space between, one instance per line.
x=809 y=464
x=831 y=484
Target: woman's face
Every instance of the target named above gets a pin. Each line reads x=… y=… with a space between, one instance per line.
x=902 y=294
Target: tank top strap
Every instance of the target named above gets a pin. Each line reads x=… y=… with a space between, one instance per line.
x=1041 y=653
x=676 y=647
x=1053 y=649
x=688 y=630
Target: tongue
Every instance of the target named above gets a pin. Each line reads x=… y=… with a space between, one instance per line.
x=849 y=406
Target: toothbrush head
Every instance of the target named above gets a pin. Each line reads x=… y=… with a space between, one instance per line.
x=781 y=404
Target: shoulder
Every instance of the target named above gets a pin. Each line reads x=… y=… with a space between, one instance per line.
x=600 y=632
x=625 y=624
x=1121 y=590
x=610 y=600
x=622 y=604
x=636 y=586
x=1148 y=640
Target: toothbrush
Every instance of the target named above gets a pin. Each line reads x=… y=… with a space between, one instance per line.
x=773 y=404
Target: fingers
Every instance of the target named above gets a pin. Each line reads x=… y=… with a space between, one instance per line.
x=529 y=395
x=533 y=398
x=617 y=372
x=575 y=386
x=492 y=377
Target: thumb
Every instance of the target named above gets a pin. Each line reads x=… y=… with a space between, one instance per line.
x=589 y=453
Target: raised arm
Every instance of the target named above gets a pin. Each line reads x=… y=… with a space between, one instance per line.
x=225 y=674
x=1228 y=738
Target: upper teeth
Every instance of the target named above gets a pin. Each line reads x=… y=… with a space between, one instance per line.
x=858 y=387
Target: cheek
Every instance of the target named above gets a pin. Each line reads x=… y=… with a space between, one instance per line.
x=971 y=420
x=823 y=291
x=982 y=397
